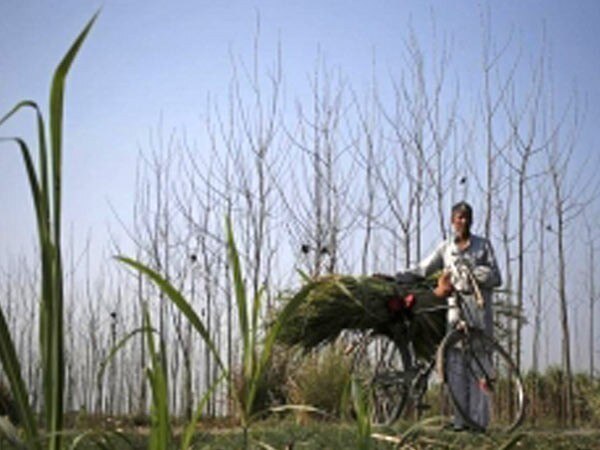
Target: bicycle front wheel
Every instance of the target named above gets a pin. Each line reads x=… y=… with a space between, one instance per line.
x=384 y=372
x=482 y=381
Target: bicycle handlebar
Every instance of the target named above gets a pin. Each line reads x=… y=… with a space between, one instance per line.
x=465 y=271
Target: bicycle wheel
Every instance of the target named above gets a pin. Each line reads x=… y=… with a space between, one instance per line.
x=386 y=378
x=482 y=381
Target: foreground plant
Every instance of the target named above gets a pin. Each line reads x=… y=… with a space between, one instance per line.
x=255 y=354
x=46 y=190
x=362 y=409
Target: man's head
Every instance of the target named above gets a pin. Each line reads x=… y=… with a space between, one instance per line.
x=462 y=219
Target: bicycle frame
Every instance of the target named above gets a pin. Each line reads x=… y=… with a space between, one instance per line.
x=412 y=381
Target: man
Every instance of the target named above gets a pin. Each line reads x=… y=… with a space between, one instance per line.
x=465 y=248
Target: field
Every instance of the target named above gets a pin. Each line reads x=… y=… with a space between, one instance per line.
x=343 y=437
x=289 y=434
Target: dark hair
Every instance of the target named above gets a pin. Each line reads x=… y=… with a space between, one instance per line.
x=463 y=207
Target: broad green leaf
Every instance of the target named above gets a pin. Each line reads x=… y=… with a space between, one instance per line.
x=54 y=378
x=256 y=306
x=46 y=195
x=43 y=153
x=287 y=311
x=12 y=370
x=118 y=346
x=16 y=108
x=56 y=117
x=190 y=428
x=238 y=285
x=179 y=301
x=160 y=433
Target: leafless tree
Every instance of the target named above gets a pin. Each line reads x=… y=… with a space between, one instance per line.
x=494 y=92
x=317 y=217
x=524 y=117
x=368 y=138
x=504 y=311
x=591 y=247
x=572 y=191
x=539 y=282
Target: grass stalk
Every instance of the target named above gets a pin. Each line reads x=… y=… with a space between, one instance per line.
x=46 y=192
x=157 y=374
x=12 y=369
x=255 y=356
x=362 y=408
x=160 y=431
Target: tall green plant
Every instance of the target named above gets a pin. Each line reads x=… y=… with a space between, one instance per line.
x=160 y=431
x=46 y=190
x=362 y=408
x=255 y=355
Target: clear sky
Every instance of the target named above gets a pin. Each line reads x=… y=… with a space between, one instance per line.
x=147 y=59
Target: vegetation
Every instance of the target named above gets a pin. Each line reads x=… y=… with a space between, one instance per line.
x=320 y=379
x=255 y=354
x=342 y=303
x=46 y=192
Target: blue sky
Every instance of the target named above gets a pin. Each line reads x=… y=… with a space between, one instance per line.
x=148 y=59
x=151 y=61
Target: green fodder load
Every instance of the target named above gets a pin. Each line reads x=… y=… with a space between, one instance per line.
x=403 y=313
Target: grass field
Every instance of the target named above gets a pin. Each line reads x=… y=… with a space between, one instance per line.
x=288 y=434
x=342 y=437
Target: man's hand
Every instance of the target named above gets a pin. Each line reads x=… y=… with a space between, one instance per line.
x=444 y=286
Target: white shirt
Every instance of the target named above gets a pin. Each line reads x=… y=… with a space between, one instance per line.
x=479 y=256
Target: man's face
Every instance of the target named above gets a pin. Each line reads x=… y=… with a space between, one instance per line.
x=461 y=223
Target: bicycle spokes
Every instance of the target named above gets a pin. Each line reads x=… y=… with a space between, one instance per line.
x=482 y=381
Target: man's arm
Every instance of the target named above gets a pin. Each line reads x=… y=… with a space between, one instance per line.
x=427 y=266
x=487 y=273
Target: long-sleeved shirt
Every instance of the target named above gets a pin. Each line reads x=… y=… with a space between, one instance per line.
x=479 y=256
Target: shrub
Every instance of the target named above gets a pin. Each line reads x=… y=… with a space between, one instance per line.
x=587 y=399
x=321 y=380
x=270 y=390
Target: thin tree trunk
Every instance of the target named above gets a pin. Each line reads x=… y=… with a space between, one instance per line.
x=520 y=262
x=564 y=313
x=592 y=300
x=537 y=324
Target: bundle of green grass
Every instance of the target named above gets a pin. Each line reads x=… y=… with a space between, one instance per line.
x=336 y=303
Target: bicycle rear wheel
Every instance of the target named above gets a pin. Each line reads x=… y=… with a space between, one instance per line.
x=386 y=379
x=482 y=381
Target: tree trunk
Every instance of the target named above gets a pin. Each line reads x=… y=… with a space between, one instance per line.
x=564 y=314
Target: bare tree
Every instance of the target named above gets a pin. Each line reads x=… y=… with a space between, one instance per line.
x=591 y=245
x=572 y=191
x=317 y=214
x=441 y=129
x=524 y=118
x=258 y=118
x=493 y=97
x=504 y=311
x=369 y=136
x=539 y=283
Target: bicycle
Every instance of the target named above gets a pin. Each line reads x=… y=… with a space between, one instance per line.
x=399 y=378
